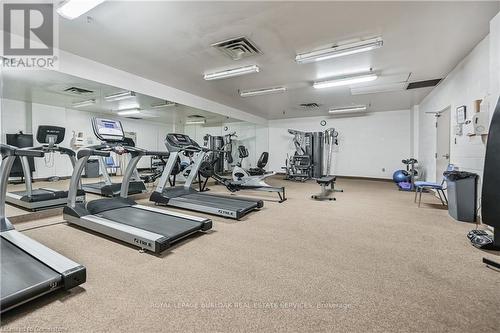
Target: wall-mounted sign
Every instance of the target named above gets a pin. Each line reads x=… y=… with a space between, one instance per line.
x=461 y=114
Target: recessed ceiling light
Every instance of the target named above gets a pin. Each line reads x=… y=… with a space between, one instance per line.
x=345 y=81
x=128 y=112
x=71 y=9
x=163 y=104
x=119 y=96
x=266 y=91
x=347 y=109
x=127 y=105
x=232 y=72
x=83 y=103
x=196 y=122
x=340 y=50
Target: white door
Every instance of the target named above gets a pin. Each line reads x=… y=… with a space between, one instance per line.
x=443 y=143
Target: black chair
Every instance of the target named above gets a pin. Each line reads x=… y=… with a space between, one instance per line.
x=261 y=163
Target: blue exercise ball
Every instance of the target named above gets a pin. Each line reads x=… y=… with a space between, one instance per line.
x=401 y=176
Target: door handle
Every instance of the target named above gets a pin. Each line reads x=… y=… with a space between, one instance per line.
x=447 y=156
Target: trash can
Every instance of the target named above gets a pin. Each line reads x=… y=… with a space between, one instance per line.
x=462 y=195
x=92 y=168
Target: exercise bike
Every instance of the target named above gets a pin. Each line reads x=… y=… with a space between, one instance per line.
x=254 y=178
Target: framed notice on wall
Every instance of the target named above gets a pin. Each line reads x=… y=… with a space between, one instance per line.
x=461 y=114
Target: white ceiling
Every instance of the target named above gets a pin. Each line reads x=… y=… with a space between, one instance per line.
x=169 y=42
x=47 y=87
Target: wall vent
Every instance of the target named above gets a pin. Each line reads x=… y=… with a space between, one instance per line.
x=423 y=84
x=78 y=91
x=309 y=106
x=196 y=116
x=237 y=48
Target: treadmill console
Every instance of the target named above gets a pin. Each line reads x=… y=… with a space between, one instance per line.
x=176 y=142
x=50 y=134
x=107 y=129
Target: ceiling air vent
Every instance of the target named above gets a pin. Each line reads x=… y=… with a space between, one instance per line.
x=134 y=118
x=78 y=91
x=196 y=116
x=237 y=48
x=309 y=106
x=423 y=84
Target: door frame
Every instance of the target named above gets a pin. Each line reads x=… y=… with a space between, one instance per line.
x=436 y=144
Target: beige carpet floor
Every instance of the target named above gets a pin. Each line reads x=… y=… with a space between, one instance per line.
x=370 y=261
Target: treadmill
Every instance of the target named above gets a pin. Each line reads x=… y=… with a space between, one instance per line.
x=148 y=228
x=187 y=197
x=28 y=268
x=109 y=189
x=44 y=198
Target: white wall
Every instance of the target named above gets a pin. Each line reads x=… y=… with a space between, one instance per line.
x=372 y=145
x=17 y=115
x=14 y=117
x=494 y=62
x=468 y=82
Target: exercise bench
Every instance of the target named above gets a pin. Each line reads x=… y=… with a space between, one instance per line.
x=327 y=184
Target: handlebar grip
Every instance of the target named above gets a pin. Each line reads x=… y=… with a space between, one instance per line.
x=91 y=152
x=67 y=151
x=158 y=153
x=29 y=153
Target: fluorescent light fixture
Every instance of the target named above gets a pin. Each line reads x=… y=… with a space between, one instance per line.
x=348 y=109
x=266 y=91
x=345 y=81
x=196 y=122
x=128 y=112
x=163 y=104
x=83 y=103
x=232 y=72
x=119 y=96
x=340 y=50
x=400 y=86
x=71 y=9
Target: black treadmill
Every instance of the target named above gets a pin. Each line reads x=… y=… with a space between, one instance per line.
x=112 y=190
x=44 y=198
x=28 y=268
x=109 y=189
x=149 y=228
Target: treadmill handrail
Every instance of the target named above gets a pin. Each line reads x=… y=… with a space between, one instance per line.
x=9 y=154
x=91 y=152
x=45 y=149
x=52 y=149
x=8 y=150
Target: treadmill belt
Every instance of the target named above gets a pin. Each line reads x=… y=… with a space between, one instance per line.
x=219 y=202
x=37 y=195
x=41 y=195
x=38 y=191
x=166 y=225
x=23 y=277
x=96 y=186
